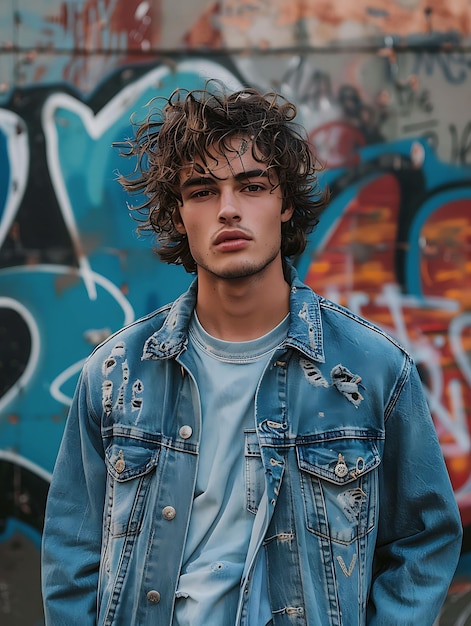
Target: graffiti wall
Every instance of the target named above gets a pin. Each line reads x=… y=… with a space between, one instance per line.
x=384 y=91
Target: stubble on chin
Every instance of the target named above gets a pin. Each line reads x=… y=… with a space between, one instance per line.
x=244 y=270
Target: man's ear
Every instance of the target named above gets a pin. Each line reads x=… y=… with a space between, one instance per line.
x=178 y=222
x=287 y=214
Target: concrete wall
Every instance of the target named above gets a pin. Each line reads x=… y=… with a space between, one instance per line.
x=383 y=88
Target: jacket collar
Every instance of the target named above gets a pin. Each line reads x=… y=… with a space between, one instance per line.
x=304 y=332
x=305 y=328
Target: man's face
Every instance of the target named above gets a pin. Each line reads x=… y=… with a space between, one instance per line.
x=231 y=214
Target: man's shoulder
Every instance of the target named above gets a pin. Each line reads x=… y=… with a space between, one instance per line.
x=334 y=326
x=344 y=321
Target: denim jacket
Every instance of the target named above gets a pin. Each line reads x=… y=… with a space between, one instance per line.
x=358 y=521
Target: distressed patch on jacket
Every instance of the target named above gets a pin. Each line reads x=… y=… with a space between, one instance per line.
x=137 y=391
x=313 y=374
x=107 y=400
x=347 y=383
x=351 y=502
x=110 y=388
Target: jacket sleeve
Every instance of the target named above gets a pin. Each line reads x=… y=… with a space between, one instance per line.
x=419 y=537
x=73 y=522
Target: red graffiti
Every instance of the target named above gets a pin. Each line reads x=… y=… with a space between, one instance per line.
x=358 y=264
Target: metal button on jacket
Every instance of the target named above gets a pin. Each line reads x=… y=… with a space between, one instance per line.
x=153 y=597
x=341 y=469
x=168 y=512
x=120 y=464
x=185 y=432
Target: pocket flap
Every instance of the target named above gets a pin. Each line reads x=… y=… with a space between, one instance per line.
x=339 y=460
x=125 y=462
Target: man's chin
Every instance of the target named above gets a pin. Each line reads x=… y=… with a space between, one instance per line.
x=242 y=270
x=238 y=273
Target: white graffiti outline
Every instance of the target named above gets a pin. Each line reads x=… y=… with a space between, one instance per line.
x=424 y=353
x=70 y=371
x=17 y=459
x=15 y=305
x=18 y=157
x=61 y=379
x=457 y=325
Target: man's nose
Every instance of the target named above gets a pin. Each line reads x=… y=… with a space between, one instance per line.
x=229 y=207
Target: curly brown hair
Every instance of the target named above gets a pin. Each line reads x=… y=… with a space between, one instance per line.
x=193 y=125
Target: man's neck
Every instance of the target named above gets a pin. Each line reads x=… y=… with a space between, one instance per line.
x=242 y=309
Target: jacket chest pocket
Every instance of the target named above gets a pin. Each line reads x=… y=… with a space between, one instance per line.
x=130 y=471
x=339 y=482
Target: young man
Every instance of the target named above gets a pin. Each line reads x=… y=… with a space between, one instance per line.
x=252 y=453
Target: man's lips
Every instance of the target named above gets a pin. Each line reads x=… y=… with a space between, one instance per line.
x=231 y=235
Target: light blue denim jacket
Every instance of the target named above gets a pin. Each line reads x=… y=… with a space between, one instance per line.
x=359 y=526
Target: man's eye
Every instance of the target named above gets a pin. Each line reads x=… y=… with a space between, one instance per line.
x=253 y=187
x=202 y=193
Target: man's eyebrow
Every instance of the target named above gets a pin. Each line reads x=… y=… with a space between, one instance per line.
x=258 y=173
x=196 y=181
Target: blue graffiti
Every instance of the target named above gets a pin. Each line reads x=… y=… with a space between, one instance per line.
x=69 y=309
